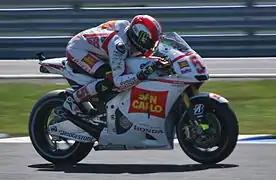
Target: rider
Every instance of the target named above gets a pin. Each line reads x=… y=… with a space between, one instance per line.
x=101 y=52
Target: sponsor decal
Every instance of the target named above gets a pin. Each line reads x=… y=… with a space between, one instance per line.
x=142 y=37
x=129 y=82
x=76 y=136
x=84 y=66
x=148 y=130
x=198 y=109
x=145 y=64
x=89 y=60
x=53 y=129
x=150 y=102
x=183 y=64
x=184 y=71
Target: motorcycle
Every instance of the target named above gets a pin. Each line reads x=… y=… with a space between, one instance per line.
x=158 y=113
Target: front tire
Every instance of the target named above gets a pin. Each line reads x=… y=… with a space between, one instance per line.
x=226 y=140
x=38 y=132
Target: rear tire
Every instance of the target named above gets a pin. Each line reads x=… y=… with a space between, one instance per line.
x=228 y=137
x=39 y=136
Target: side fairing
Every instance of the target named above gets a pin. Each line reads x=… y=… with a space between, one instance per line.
x=146 y=107
x=150 y=101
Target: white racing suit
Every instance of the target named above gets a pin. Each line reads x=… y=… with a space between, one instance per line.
x=95 y=51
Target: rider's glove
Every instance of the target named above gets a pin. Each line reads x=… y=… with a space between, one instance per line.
x=146 y=70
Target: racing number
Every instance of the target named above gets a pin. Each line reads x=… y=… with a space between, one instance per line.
x=94 y=41
x=200 y=68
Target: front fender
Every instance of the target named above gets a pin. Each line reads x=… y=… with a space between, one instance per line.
x=213 y=96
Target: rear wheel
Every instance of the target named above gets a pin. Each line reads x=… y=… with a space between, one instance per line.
x=53 y=149
x=215 y=138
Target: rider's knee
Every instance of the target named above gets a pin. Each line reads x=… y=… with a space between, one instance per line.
x=104 y=86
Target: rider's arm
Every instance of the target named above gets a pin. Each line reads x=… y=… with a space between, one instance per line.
x=117 y=53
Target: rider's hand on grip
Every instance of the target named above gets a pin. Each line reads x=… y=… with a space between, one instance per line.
x=146 y=70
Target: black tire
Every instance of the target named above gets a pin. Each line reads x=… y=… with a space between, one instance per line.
x=38 y=132
x=226 y=143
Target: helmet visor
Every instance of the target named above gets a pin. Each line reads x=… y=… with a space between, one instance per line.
x=143 y=42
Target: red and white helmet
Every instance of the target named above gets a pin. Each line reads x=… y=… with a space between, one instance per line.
x=145 y=33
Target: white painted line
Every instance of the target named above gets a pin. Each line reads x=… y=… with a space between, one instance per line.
x=257 y=142
x=16 y=140
x=34 y=9
x=241 y=142
x=252 y=136
x=161 y=7
x=122 y=8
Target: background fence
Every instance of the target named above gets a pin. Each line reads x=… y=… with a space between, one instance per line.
x=237 y=29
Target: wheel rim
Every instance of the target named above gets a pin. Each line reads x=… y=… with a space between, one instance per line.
x=47 y=143
x=55 y=142
x=218 y=145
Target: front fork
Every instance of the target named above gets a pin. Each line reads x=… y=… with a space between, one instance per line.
x=194 y=120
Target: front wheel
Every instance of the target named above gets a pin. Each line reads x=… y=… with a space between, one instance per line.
x=53 y=149
x=214 y=137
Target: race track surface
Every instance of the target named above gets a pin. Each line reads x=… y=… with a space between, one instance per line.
x=248 y=162
x=215 y=66
x=19 y=161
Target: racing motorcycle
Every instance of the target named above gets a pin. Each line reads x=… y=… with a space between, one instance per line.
x=158 y=113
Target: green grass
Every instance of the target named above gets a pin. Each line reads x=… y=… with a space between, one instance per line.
x=15 y=105
x=253 y=101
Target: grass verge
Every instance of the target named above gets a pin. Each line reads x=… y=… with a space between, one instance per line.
x=253 y=101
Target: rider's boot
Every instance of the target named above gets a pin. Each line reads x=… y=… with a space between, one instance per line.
x=77 y=103
x=78 y=109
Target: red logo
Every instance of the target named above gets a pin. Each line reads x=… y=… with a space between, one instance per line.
x=150 y=102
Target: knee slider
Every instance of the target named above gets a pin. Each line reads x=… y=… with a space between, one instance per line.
x=104 y=86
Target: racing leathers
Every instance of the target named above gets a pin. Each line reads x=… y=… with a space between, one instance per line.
x=101 y=52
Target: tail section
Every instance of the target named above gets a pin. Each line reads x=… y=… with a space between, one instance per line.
x=52 y=65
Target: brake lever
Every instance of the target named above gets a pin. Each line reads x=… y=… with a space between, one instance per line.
x=161 y=64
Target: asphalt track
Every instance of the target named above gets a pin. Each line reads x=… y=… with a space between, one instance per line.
x=247 y=162
x=215 y=66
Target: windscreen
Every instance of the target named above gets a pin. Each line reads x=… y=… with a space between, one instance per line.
x=176 y=41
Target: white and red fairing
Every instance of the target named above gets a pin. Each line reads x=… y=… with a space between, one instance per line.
x=161 y=91
x=167 y=89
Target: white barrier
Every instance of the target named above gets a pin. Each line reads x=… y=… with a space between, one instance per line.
x=215 y=76
x=32 y=76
